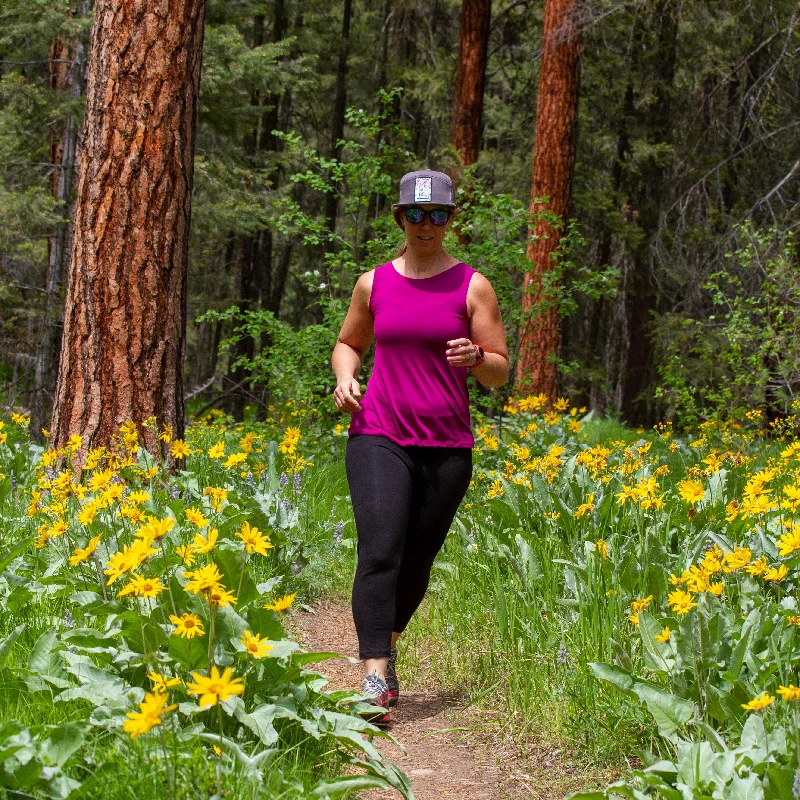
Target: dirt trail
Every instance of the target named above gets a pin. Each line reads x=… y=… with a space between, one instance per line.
x=440 y=762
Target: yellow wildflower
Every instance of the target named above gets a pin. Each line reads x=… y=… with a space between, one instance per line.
x=586 y=508
x=162 y=683
x=681 y=602
x=255 y=645
x=691 y=491
x=81 y=554
x=187 y=625
x=203 y=579
x=201 y=544
x=254 y=541
x=790 y=693
x=148 y=716
x=282 y=604
x=757 y=703
x=215 y=688
x=196 y=517
x=142 y=587
x=217 y=451
x=179 y=449
x=664 y=635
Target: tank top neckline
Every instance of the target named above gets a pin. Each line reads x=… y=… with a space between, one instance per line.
x=429 y=277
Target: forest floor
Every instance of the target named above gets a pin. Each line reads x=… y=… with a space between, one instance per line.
x=450 y=750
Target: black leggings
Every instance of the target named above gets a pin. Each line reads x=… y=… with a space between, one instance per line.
x=404 y=500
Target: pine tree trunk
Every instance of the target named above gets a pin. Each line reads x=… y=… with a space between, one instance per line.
x=66 y=78
x=125 y=315
x=465 y=134
x=339 y=107
x=553 y=162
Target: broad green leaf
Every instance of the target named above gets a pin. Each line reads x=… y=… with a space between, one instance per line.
x=670 y=712
x=617 y=676
x=189 y=653
x=62 y=742
x=40 y=659
x=657 y=655
x=265 y=623
x=5 y=645
x=235 y=576
x=694 y=761
x=336 y=787
x=749 y=788
x=301 y=659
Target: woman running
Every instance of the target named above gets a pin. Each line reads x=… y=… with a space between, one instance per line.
x=409 y=452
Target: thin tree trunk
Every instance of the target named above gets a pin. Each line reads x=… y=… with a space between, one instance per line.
x=67 y=78
x=339 y=108
x=125 y=315
x=465 y=132
x=642 y=299
x=553 y=162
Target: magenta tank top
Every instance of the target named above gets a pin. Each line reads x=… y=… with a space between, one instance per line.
x=414 y=397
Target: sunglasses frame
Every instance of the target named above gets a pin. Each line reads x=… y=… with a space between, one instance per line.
x=427 y=213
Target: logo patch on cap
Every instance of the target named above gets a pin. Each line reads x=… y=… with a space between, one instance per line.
x=422 y=190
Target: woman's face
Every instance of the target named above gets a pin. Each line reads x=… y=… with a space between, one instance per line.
x=425 y=237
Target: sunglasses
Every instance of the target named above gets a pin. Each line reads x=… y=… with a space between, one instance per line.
x=438 y=216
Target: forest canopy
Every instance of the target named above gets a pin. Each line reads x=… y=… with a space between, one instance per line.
x=677 y=276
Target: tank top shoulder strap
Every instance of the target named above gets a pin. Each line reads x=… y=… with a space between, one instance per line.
x=379 y=277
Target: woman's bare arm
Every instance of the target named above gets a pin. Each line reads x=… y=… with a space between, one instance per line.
x=486 y=329
x=354 y=341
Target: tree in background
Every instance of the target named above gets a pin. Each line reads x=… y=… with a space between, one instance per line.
x=553 y=163
x=125 y=315
x=465 y=131
x=67 y=76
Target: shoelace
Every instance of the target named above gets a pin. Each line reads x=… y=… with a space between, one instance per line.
x=374 y=685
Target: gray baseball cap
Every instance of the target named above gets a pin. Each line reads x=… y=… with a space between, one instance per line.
x=426 y=187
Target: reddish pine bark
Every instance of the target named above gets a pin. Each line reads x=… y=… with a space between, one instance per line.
x=125 y=315
x=465 y=132
x=553 y=162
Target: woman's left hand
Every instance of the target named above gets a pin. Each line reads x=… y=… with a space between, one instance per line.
x=461 y=353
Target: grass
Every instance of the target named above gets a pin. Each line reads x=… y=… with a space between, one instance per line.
x=522 y=599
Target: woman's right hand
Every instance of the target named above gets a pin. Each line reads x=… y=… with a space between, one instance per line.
x=345 y=395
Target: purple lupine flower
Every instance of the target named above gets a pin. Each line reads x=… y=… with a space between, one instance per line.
x=284 y=479
x=68 y=621
x=286 y=505
x=50 y=473
x=13 y=482
x=338 y=531
x=297 y=481
x=251 y=481
x=796 y=786
x=562 y=656
x=174 y=491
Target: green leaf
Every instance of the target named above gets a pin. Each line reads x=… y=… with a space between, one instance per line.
x=40 y=659
x=670 y=712
x=749 y=788
x=657 y=655
x=63 y=741
x=265 y=623
x=301 y=659
x=5 y=645
x=617 y=676
x=189 y=653
x=232 y=564
x=336 y=787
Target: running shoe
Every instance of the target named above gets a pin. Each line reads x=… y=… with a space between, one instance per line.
x=391 y=678
x=375 y=691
